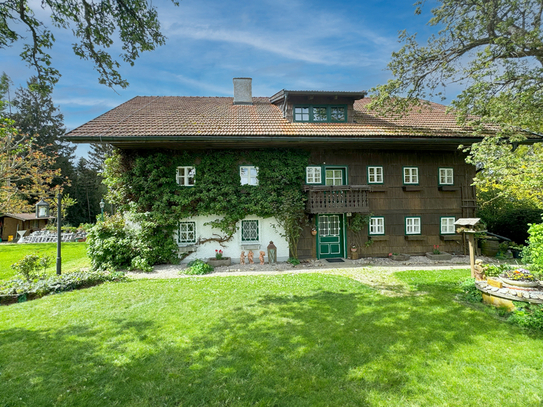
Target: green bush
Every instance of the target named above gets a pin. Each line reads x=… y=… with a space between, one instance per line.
x=29 y=266
x=494 y=270
x=527 y=315
x=198 y=267
x=533 y=253
x=24 y=289
x=113 y=245
x=470 y=292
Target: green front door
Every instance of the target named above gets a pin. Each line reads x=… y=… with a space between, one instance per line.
x=330 y=236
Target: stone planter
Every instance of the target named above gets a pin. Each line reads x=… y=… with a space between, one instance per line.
x=225 y=261
x=440 y=256
x=400 y=257
x=523 y=284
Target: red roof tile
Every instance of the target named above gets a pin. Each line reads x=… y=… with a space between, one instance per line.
x=149 y=116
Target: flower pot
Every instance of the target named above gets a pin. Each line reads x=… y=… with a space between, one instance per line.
x=400 y=257
x=225 y=261
x=314 y=232
x=518 y=283
x=440 y=256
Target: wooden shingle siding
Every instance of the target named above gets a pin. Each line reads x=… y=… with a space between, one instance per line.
x=394 y=204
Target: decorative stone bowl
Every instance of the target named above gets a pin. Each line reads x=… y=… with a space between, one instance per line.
x=517 y=283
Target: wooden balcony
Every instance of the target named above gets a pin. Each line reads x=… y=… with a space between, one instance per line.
x=337 y=199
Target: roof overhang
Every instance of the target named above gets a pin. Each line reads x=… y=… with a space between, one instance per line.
x=284 y=94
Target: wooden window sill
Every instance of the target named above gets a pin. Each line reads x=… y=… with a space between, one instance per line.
x=378 y=238
x=448 y=188
x=377 y=189
x=412 y=188
x=415 y=237
x=451 y=237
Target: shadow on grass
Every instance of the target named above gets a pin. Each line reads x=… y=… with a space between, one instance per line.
x=326 y=348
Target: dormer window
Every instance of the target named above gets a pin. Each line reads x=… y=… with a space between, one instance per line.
x=320 y=114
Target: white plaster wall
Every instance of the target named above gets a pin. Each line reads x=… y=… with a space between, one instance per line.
x=233 y=248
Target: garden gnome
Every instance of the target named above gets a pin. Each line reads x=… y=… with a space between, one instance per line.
x=261 y=257
x=250 y=256
x=242 y=257
x=479 y=270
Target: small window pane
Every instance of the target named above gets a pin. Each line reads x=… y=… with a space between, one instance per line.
x=301 y=114
x=249 y=231
x=334 y=177
x=377 y=226
x=412 y=226
x=186 y=175
x=446 y=176
x=447 y=226
x=320 y=114
x=375 y=175
x=337 y=114
x=313 y=175
x=187 y=232
x=329 y=225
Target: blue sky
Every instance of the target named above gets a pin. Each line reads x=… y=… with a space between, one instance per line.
x=281 y=44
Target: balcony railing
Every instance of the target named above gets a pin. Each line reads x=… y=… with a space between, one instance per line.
x=337 y=199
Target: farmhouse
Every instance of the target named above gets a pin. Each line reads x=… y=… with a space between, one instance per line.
x=383 y=184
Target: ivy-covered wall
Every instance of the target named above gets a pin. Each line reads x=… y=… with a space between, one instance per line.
x=148 y=180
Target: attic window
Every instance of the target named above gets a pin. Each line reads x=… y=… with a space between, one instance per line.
x=320 y=114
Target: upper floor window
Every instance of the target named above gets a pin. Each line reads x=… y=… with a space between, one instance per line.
x=249 y=231
x=322 y=114
x=446 y=176
x=447 y=225
x=334 y=176
x=410 y=175
x=248 y=175
x=377 y=226
x=375 y=175
x=187 y=233
x=313 y=175
x=185 y=176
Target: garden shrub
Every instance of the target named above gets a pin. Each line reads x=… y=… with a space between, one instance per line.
x=198 y=267
x=24 y=289
x=470 y=292
x=527 y=315
x=533 y=253
x=113 y=244
x=29 y=266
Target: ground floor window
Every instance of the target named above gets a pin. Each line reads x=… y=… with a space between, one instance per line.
x=249 y=231
x=377 y=225
x=187 y=233
x=412 y=225
x=447 y=225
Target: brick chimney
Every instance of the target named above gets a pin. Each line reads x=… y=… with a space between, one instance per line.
x=243 y=93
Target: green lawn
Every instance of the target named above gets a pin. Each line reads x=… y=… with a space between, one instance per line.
x=284 y=340
x=74 y=256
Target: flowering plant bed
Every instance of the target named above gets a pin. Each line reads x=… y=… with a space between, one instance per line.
x=519 y=275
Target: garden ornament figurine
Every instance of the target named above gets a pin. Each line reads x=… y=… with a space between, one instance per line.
x=479 y=270
x=242 y=257
x=272 y=253
x=261 y=257
x=250 y=256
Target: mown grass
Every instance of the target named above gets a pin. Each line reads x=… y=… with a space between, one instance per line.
x=284 y=340
x=74 y=256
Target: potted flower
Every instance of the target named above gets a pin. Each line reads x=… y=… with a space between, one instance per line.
x=219 y=259
x=314 y=231
x=437 y=254
x=519 y=278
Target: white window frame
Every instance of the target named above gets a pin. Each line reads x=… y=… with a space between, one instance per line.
x=246 y=222
x=411 y=175
x=184 y=178
x=377 y=225
x=313 y=174
x=186 y=241
x=446 y=176
x=446 y=225
x=375 y=175
x=248 y=179
x=334 y=178
x=413 y=225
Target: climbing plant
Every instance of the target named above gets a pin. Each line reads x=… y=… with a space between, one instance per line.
x=146 y=182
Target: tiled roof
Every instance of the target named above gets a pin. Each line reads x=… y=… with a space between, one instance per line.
x=148 y=116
